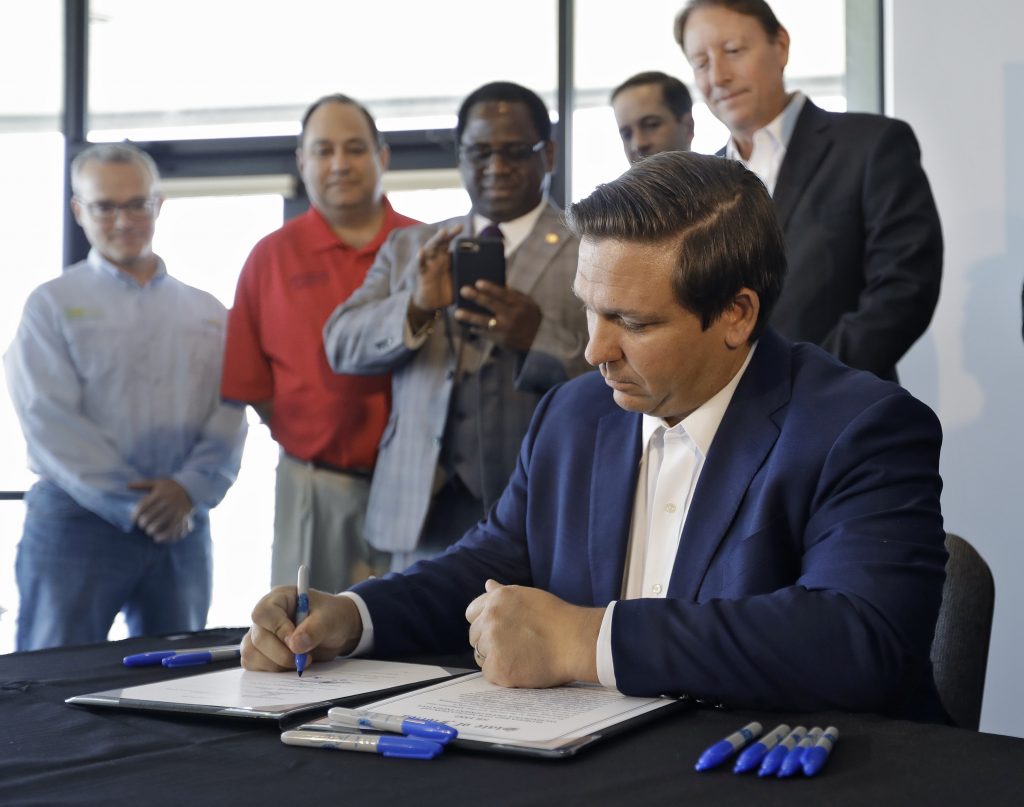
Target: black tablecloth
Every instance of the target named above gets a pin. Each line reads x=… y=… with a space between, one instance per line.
x=54 y=754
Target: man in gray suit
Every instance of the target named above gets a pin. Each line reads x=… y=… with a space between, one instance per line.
x=464 y=384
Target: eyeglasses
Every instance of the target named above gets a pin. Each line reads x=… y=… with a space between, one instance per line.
x=133 y=208
x=480 y=154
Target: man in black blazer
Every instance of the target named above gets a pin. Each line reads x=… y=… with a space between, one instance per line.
x=862 y=233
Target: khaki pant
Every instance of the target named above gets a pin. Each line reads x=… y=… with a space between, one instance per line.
x=318 y=521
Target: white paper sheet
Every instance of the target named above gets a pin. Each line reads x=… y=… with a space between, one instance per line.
x=484 y=711
x=266 y=691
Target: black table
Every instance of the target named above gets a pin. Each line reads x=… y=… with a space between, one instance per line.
x=54 y=754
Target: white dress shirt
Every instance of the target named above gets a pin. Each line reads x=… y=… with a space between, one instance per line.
x=770 y=143
x=670 y=466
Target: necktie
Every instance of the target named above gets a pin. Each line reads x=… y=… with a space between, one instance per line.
x=492 y=230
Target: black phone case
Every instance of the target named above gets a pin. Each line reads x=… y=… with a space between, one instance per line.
x=476 y=259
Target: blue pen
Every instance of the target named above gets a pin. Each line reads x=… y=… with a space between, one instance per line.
x=400 y=724
x=723 y=749
x=795 y=759
x=751 y=757
x=154 y=657
x=773 y=759
x=400 y=747
x=202 y=657
x=816 y=757
x=301 y=611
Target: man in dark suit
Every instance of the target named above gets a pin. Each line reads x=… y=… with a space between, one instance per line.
x=862 y=233
x=720 y=512
x=464 y=383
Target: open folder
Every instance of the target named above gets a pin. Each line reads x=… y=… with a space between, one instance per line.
x=283 y=697
x=555 y=722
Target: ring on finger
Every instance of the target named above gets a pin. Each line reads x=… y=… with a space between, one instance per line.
x=477 y=654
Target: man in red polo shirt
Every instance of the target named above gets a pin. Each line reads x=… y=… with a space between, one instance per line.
x=328 y=425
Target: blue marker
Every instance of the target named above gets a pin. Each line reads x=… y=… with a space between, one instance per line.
x=723 y=749
x=815 y=758
x=773 y=759
x=154 y=657
x=202 y=657
x=795 y=759
x=401 y=747
x=399 y=724
x=751 y=757
x=301 y=612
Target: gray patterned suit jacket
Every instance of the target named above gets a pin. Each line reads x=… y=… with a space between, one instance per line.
x=365 y=335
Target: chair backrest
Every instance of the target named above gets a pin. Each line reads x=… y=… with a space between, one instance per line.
x=960 y=648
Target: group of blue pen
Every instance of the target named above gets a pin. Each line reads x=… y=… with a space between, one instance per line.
x=420 y=739
x=782 y=752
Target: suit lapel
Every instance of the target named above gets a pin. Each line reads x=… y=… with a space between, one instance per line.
x=810 y=142
x=612 y=490
x=533 y=256
x=744 y=438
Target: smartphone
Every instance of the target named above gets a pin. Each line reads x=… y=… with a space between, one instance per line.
x=476 y=259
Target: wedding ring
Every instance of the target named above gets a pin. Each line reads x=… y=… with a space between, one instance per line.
x=492 y=323
x=477 y=654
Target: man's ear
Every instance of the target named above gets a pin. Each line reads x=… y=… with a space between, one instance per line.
x=384 y=157
x=76 y=209
x=741 y=318
x=551 y=156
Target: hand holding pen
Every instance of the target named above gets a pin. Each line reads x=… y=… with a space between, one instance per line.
x=331 y=627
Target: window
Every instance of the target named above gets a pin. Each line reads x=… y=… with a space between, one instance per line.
x=31 y=218
x=250 y=68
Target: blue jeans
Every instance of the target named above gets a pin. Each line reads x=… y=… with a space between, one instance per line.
x=75 y=572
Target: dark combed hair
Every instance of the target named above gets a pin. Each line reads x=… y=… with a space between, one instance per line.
x=718 y=213
x=339 y=98
x=758 y=9
x=673 y=91
x=508 y=92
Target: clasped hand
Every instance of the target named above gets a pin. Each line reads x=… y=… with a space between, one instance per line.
x=165 y=512
x=526 y=637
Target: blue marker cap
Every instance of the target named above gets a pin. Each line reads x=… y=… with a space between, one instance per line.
x=795 y=758
x=147 y=659
x=750 y=758
x=408 y=747
x=187 y=659
x=723 y=749
x=814 y=760
x=816 y=757
x=429 y=730
x=773 y=761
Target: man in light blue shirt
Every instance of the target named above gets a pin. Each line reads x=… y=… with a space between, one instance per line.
x=115 y=376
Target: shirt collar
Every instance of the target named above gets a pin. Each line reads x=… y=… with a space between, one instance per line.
x=780 y=130
x=100 y=264
x=703 y=422
x=514 y=231
x=319 y=235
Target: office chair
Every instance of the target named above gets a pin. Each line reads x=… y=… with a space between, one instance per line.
x=960 y=647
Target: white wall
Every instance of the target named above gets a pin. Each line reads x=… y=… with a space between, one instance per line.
x=956 y=74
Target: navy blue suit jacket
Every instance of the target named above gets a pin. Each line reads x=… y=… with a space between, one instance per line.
x=809 y=572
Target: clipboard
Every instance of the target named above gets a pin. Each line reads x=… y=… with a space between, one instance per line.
x=277 y=697
x=613 y=714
